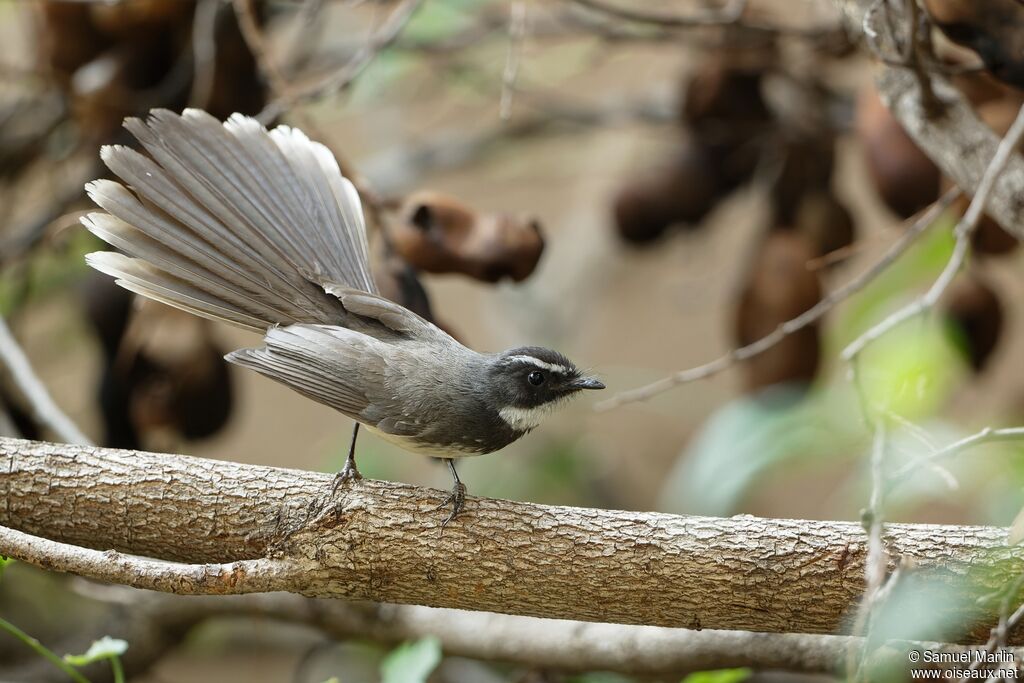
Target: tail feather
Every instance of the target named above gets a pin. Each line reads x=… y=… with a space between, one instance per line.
x=142 y=278
x=230 y=221
x=163 y=243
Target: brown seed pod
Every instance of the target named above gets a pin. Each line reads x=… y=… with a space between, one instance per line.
x=825 y=222
x=720 y=91
x=67 y=39
x=682 y=193
x=980 y=86
x=397 y=280
x=975 y=314
x=437 y=233
x=162 y=369
x=994 y=29
x=778 y=287
x=904 y=177
x=806 y=168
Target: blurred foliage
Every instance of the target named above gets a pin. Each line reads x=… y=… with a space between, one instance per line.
x=411 y=662
x=746 y=437
x=912 y=371
x=47 y=271
x=598 y=677
x=720 y=676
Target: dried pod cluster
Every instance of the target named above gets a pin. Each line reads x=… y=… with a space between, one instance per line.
x=119 y=59
x=907 y=181
x=723 y=113
x=731 y=131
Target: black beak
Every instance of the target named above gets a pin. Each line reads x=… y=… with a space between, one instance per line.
x=587 y=383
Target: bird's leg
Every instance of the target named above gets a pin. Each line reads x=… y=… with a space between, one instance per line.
x=457 y=498
x=349 y=471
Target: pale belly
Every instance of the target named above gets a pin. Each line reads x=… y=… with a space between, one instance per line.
x=414 y=446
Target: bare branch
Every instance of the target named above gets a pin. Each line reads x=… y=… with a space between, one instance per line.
x=155 y=622
x=808 y=317
x=43 y=408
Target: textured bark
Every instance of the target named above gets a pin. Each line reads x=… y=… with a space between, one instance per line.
x=381 y=541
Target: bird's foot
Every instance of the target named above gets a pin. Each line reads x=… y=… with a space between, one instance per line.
x=348 y=473
x=457 y=500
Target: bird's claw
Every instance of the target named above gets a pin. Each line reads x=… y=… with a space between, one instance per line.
x=457 y=499
x=348 y=473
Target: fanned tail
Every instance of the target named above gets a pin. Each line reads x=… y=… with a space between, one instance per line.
x=230 y=221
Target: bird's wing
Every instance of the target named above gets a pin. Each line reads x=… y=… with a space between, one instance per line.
x=393 y=316
x=341 y=368
x=236 y=212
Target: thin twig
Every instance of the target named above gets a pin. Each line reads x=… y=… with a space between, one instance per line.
x=204 y=52
x=963 y=231
x=876 y=561
x=517 y=27
x=792 y=326
x=986 y=435
x=42 y=651
x=338 y=81
x=43 y=408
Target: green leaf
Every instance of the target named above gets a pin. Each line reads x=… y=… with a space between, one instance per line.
x=411 y=662
x=104 y=648
x=720 y=676
x=4 y=561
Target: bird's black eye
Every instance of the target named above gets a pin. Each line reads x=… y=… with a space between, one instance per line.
x=536 y=378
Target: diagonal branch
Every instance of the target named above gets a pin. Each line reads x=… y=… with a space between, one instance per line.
x=44 y=410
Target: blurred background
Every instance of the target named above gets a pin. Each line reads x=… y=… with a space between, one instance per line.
x=641 y=195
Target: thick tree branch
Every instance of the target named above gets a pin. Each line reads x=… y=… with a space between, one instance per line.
x=381 y=541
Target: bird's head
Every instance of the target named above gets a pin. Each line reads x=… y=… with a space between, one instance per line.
x=528 y=382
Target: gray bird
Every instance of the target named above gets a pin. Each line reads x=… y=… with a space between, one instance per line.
x=260 y=229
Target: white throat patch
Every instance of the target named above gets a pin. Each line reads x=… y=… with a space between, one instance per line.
x=525 y=419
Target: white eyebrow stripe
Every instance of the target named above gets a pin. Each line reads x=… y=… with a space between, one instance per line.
x=550 y=367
